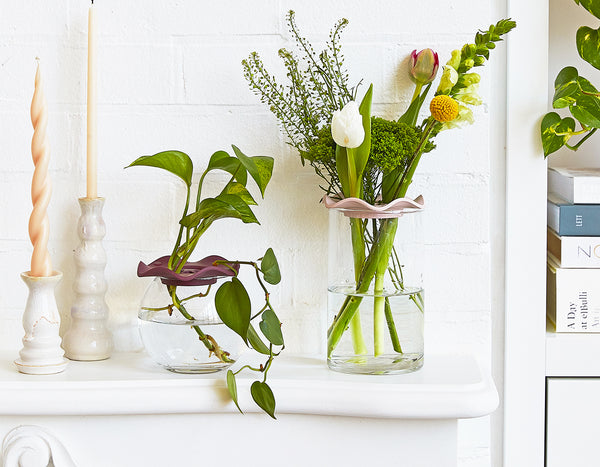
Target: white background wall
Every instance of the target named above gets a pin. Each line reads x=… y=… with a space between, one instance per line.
x=170 y=78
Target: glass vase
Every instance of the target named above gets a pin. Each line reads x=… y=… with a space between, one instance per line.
x=375 y=291
x=182 y=344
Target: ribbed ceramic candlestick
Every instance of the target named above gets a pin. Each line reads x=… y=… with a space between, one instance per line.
x=89 y=338
x=41 y=353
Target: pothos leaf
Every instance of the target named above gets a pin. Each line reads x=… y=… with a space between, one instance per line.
x=233 y=307
x=590 y=5
x=175 y=162
x=588 y=45
x=260 y=168
x=555 y=132
x=236 y=188
x=587 y=110
x=232 y=387
x=566 y=87
x=271 y=327
x=263 y=396
x=270 y=268
x=221 y=160
x=223 y=206
x=255 y=341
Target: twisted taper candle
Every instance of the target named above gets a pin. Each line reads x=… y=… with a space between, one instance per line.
x=41 y=189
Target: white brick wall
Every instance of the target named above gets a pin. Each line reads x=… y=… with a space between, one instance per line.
x=170 y=78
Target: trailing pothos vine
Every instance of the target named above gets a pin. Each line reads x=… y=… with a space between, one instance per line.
x=232 y=301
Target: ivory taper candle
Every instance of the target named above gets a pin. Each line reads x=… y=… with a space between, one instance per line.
x=92 y=147
x=39 y=227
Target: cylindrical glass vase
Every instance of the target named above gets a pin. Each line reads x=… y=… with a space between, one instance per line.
x=196 y=343
x=375 y=293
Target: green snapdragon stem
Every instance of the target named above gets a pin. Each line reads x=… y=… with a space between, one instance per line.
x=378 y=258
x=358 y=250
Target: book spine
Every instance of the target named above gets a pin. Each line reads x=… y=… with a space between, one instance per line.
x=574 y=299
x=575 y=252
x=561 y=185
x=574 y=219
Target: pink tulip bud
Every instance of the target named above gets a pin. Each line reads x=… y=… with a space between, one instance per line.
x=423 y=66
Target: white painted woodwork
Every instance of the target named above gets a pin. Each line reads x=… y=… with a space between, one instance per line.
x=446 y=387
x=33 y=446
x=145 y=415
x=524 y=357
x=572 y=422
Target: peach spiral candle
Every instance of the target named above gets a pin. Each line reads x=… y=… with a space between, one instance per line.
x=39 y=227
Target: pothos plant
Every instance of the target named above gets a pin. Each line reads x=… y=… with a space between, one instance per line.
x=232 y=301
x=576 y=93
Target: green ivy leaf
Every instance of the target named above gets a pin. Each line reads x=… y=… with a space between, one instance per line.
x=233 y=307
x=236 y=188
x=552 y=124
x=263 y=396
x=232 y=386
x=256 y=342
x=221 y=160
x=271 y=327
x=260 y=168
x=588 y=45
x=587 y=110
x=270 y=267
x=593 y=6
x=176 y=162
x=566 y=87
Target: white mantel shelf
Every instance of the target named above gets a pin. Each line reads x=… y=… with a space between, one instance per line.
x=447 y=387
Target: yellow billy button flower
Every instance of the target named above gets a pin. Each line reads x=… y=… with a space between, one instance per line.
x=443 y=108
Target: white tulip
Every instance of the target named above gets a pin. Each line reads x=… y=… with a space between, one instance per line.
x=346 y=126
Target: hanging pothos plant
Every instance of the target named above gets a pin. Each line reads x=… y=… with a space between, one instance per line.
x=576 y=93
x=232 y=301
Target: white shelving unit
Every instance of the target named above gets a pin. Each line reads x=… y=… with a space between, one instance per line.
x=550 y=379
x=525 y=249
x=572 y=355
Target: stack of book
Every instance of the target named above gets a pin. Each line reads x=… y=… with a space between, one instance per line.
x=573 y=269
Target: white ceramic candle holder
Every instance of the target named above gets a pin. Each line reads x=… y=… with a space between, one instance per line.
x=41 y=353
x=89 y=338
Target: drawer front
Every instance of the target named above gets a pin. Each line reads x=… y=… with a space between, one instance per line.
x=573 y=422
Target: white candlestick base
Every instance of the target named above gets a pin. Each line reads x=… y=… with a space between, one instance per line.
x=41 y=353
x=89 y=338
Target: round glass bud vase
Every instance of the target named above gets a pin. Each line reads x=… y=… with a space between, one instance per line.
x=179 y=343
x=375 y=295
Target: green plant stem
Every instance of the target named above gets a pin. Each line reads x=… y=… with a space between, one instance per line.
x=173 y=257
x=358 y=250
x=207 y=340
x=417 y=92
x=379 y=310
x=582 y=140
x=392 y=327
x=380 y=252
x=414 y=162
